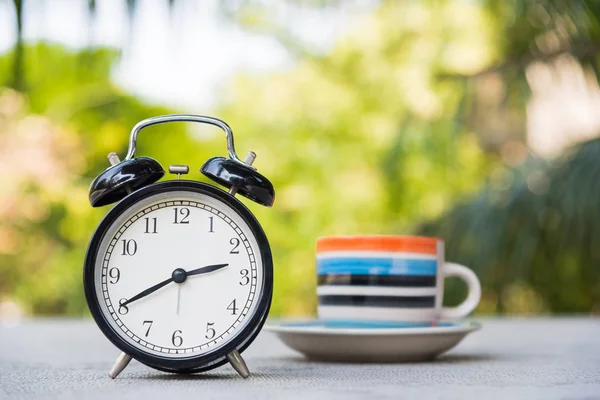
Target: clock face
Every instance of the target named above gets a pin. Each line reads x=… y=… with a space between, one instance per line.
x=179 y=274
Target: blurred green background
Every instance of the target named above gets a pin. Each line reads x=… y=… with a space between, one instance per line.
x=477 y=121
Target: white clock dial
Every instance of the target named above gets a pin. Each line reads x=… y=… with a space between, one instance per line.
x=203 y=305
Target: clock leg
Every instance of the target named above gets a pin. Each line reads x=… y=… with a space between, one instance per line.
x=122 y=362
x=238 y=363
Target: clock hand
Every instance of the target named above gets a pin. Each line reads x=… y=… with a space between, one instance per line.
x=146 y=292
x=178 y=297
x=197 y=271
x=179 y=276
x=207 y=269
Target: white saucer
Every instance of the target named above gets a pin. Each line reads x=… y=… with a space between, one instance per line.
x=376 y=341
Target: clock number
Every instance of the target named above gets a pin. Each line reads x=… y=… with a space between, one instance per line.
x=176 y=339
x=115 y=274
x=235 y=242
x=245 y=276
x=232 y=308
x=150 y=225
x=123 y=309
x=149 y=326
x=129 y=247
x=184 y=213
x=212 y=223
x=210 y=332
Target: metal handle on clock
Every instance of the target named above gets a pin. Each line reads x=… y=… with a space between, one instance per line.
x=183 y=118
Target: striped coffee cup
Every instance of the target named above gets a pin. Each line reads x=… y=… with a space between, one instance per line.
x=393 y=278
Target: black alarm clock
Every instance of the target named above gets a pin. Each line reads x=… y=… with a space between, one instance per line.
x=179 y=273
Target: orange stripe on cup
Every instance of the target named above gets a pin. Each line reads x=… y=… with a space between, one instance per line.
x=408 y=244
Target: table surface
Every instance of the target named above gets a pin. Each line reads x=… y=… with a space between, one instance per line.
x=508 y=358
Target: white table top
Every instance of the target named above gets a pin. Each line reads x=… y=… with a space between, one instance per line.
x=508 y=358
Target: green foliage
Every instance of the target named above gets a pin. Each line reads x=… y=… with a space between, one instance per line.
x=538 y=232
x=399 y=123
x=360 y=141
x=363 y=140
x=53 y=142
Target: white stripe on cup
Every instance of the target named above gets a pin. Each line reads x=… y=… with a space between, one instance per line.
x=377 y=313
x=374 y=291
x=375 y=254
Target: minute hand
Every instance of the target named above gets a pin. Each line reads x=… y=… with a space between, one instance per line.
x=152 y=289
x=146 y=292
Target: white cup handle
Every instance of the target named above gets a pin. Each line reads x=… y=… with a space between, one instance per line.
x=474 y=287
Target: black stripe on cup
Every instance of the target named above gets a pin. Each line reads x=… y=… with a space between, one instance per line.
x=378 y=301
x=377 y=280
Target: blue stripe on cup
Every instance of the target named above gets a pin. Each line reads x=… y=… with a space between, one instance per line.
x=376 y=266
x=357 y=272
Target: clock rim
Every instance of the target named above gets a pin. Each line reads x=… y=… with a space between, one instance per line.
x=197 y=363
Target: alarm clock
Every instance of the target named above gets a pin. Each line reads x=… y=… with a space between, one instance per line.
x=179 y=273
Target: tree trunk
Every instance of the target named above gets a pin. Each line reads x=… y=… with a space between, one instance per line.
x=18 y=81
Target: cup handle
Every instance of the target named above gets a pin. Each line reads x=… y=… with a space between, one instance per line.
x=464 y=308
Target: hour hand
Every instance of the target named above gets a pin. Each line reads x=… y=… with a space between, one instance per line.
x=207 y=269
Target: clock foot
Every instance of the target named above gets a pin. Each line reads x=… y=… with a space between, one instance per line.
x=238 y=363
x=122 y=362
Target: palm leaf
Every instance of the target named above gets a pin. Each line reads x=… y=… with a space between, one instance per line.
x=543 y=231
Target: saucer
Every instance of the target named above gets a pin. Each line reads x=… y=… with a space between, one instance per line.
x=372 y=341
